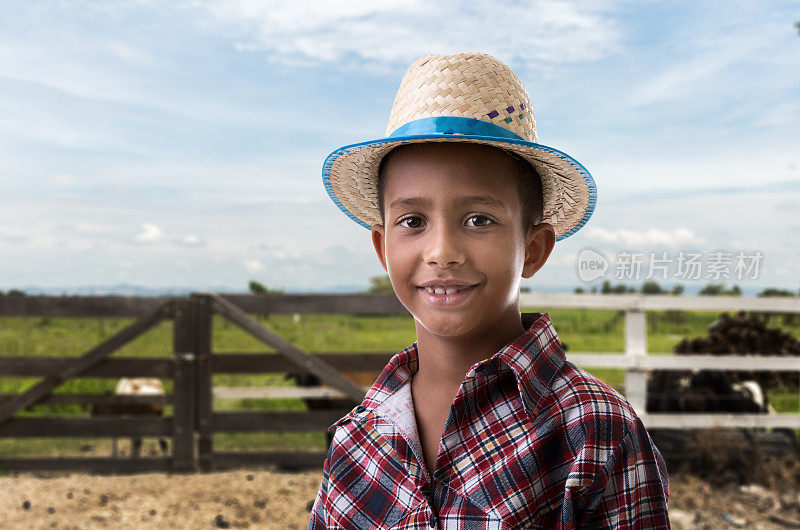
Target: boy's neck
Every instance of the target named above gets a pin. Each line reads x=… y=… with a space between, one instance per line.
x=445 y=361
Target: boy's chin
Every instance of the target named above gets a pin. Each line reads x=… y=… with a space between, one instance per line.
x=452 y=326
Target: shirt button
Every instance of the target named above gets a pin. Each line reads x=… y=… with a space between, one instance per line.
x=432 y=521
x=361 y=408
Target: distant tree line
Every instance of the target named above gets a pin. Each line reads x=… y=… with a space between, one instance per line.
x=257 y=287
x=651 y=287
x=648 y=287
x=382 y=284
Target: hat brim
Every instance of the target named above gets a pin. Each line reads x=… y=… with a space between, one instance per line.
x=350 y=173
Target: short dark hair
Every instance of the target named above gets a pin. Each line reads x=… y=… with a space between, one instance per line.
x=529 y=188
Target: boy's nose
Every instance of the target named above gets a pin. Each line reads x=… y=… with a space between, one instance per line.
x=442 y=247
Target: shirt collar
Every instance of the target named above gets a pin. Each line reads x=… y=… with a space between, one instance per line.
x=535 y=357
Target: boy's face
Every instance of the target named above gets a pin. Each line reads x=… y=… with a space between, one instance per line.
x=452 y=213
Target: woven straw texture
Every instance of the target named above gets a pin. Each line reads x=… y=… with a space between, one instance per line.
x=471 y=85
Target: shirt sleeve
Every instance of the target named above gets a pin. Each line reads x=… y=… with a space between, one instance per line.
x=319 y=511
x=636 y=489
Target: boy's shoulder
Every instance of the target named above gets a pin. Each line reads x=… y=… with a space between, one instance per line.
x=575 y=387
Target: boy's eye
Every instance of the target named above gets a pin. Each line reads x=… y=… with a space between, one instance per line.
x=415 y=221
x=480 y=220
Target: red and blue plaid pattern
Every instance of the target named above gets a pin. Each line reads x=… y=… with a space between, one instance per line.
x=531 y=441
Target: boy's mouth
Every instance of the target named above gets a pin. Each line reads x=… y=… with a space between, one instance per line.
x=447 y=293
x=447 y=290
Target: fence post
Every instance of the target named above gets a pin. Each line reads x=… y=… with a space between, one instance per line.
x=635 y=349
x=184 y=382
x=203 y=371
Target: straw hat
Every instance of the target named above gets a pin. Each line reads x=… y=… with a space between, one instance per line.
x=465 y=97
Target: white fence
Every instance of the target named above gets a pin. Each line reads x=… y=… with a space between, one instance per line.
x=636 y=361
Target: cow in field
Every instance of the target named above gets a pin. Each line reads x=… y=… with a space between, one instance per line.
x=713 y=391
x=704 y=391
x=134 y=387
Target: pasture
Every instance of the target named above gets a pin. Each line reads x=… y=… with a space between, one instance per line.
x=579 y=330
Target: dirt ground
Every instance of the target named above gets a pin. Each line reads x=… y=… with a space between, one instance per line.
x=272 y=499
x=234 y=499
x=695 y=503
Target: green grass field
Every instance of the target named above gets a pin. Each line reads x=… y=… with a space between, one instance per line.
x=579 y=330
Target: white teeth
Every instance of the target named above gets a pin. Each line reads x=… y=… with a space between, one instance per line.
x=441 y=290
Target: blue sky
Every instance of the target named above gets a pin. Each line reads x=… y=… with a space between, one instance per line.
x=181 y=143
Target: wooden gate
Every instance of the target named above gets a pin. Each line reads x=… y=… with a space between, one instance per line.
x=193 y=422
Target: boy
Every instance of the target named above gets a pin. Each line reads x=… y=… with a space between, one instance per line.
x=482 y=422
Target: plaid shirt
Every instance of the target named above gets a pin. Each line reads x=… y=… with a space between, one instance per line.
x=531 y=441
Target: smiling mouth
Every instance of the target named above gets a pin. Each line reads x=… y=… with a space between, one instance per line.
x=447 y=290
x=452 y=295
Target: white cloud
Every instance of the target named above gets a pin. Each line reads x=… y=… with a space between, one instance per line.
x=150 y=234
x=84 y=227
x=253 y=265
x=64 y=181
x=191 y=240
x=788 y=205
x=392 y=32
x=129 y=54
x=683 y=77
x=707 y=60
x=275 y=251
x=784 y=113
x=648 y=238
x=13 y=238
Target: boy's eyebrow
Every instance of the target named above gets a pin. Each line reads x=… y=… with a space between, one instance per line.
x=474 y=199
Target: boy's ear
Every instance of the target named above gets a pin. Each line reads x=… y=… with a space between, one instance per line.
x=539 y=242
x=378 y=241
